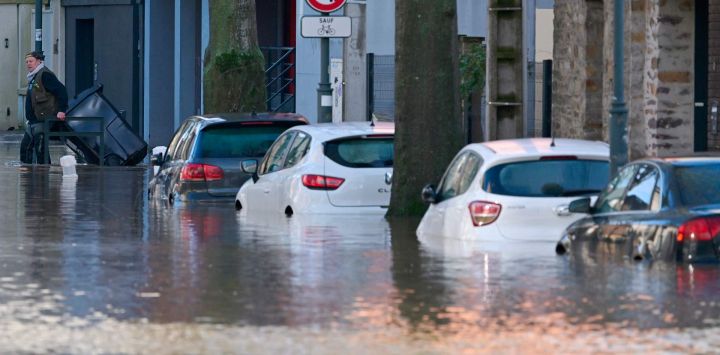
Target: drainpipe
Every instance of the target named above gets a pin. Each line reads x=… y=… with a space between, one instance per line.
x=618 y=111
x=38 y=26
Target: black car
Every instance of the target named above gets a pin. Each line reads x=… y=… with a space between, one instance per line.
x=203 y=159
x=657 y=209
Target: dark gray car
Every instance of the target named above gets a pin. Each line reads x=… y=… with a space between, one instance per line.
x=202 y=161
x=657 y=209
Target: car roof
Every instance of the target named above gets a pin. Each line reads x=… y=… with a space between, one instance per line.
x=690 y=160
x=209 y=119
x=512 y=149
x=328 y=131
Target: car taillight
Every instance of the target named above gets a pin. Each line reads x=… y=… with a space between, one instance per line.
x=702 y=229
x=321 y=182
x=201 y=172
x=484 y=213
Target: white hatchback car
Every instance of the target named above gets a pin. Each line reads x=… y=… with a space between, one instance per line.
x=516 y=189
x=323 y=168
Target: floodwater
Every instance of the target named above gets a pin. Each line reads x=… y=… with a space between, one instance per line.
x=88 y=265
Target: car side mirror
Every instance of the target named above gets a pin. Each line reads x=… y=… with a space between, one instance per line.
x=428 y=194
x=580 y=206
x=250 y=166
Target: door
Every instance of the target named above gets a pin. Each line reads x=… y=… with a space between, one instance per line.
x=9 y=64
x=263 y=195
x=449 y=216
x=701 y=74
x=85 y=54
x=713 y=73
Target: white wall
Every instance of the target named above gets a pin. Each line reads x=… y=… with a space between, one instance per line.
x=543 y=34
x=472 y=18
x=380 y=26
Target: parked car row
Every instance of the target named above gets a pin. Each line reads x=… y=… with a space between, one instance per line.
x=494 y=193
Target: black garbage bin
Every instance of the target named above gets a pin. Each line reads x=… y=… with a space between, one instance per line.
x=122 y=145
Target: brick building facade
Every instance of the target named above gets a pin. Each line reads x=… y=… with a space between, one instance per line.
x=672 y=73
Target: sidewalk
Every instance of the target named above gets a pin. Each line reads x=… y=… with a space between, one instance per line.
x=10 y=151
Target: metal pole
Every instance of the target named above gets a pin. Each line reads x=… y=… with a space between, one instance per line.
x=547 y=99
x=324 y=90
x=618 y=111
x=370 y=85
x=38 y=26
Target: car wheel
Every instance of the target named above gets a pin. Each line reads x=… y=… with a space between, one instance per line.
x=238 y=205
x=288 y=211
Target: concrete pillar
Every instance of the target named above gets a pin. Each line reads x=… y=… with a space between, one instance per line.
x=505 y=67
x=355 y=65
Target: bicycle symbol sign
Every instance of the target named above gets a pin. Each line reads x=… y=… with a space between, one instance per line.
x=326 y=26
x=326 y=5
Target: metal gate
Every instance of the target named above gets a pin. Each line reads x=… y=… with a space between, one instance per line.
x=381 y=86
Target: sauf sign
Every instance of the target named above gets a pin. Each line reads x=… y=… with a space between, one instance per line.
x=326 y=5
x=326 y=26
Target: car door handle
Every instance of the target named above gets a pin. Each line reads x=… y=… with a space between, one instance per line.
x=267 y=191
x=562 y=210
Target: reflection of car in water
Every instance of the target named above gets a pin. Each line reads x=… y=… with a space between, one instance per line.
x=323 y=168
x=514 y=189
x=202 y=161
x=667 y=209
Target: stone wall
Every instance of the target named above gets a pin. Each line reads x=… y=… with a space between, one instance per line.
x=594 y=114
x=675 y=91
x=569 y=68
x=659 y=78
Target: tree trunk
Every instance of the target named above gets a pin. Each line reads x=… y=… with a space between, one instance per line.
x=428 y=123
x=234 y=66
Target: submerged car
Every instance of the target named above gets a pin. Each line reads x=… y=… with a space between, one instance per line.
x=323 y=168
x=202 y=162
x=516 y=189
x=657 y=209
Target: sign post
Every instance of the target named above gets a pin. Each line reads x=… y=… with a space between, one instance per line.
x=325 y=7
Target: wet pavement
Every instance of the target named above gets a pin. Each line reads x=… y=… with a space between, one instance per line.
x=88 y=265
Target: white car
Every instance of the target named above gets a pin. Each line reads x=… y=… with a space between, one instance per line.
x=516 y=189
x=323 y=168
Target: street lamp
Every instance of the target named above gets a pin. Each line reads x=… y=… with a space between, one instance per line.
x=618 y=111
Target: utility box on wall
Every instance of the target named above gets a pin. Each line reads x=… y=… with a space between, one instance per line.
x=9 y=75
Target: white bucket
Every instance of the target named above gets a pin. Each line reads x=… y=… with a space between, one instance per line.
x=68 y=165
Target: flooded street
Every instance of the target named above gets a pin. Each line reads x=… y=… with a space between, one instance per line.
x=88 y=265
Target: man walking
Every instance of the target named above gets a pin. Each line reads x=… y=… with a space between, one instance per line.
x=46 y=98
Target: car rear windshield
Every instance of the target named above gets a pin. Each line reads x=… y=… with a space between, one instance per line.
x=237 y=141
x=362 y=152
x=693 y=183
x=547 y=178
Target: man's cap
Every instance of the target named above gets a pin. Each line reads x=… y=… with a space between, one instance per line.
x=36 y=55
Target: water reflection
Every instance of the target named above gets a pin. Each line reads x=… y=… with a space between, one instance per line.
x=93 y=253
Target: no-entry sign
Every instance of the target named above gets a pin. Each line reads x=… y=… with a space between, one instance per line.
x=326 y=5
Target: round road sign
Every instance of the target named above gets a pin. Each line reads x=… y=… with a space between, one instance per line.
x=326 y=5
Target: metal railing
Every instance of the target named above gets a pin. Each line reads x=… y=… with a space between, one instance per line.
x=279 y=78
x=100 y=133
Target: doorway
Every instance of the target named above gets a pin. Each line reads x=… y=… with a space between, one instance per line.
x=84 y=54
x=702 y=71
